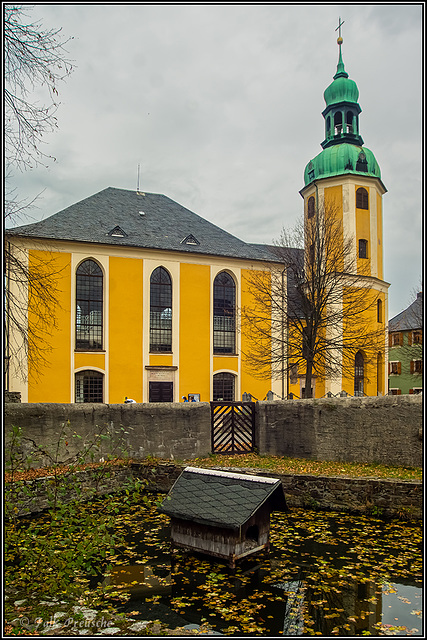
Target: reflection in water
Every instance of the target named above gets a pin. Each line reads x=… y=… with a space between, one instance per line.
x=141 y=580
x=329 y=575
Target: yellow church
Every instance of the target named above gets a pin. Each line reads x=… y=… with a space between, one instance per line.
x=150 y=294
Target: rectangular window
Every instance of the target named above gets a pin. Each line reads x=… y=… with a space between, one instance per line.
x=395 y=339
x=417 y=366
x=417 y=337
x=395 y=368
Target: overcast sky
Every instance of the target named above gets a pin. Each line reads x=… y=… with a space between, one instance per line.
x=220 y=105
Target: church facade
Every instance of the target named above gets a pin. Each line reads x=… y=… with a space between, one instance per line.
x=148 y=304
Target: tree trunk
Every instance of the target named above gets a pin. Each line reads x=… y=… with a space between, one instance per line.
x=308 y=377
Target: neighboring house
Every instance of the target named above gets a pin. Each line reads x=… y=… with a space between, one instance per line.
x=405 y=362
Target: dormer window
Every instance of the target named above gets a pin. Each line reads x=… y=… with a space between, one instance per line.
x=362 y=163
x=117 y=232
x=190 y=239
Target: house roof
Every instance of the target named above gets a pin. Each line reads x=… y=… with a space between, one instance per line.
x=221 y=498
x=409 y=319
x=121 y=217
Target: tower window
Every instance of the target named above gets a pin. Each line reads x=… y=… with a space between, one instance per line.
x=379 y=311
x=310 y=207
x=363 y=248
x=362 y=164
x=349 y=121
x=359 y=374
x=338 y=123
x=362 y=198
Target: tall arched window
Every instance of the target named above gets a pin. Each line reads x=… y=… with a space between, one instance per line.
x=362 y=199
x=224 y=314
x=359 y=367
x=379 y=374
x=89 y=386
x=89 y=306
x=223 y=387
x=160 y=311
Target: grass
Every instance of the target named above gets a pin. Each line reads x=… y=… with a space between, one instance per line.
x=279 y=464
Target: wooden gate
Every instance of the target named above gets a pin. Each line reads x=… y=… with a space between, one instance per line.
x=233 y=427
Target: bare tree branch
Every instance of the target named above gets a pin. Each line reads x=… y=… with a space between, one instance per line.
x=317 y=310
x=34 y=58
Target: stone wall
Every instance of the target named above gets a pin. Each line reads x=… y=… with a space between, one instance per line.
x=57 y=433
x=384 y=430
x=370 y=496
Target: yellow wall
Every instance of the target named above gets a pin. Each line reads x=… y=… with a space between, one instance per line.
x=194 y=334
x=380 y=236
x=52 y=382
x=249 y=382
x=125 y=329
x=363 y=232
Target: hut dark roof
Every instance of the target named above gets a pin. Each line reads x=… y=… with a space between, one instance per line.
x=221 y=498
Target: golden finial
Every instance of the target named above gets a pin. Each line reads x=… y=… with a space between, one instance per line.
x=339 y=39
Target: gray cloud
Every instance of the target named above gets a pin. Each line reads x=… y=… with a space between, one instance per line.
x=221 y=106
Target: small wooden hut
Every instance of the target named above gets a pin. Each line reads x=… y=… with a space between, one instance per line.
x=222 y=514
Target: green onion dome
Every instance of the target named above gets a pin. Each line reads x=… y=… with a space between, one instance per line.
x=340 y=159
x=342 y=89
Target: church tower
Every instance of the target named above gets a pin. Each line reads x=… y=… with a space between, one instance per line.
x=346 y=177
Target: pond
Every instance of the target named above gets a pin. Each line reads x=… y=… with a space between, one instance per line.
x=326 y=574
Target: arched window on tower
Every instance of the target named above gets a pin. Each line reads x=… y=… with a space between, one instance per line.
x=89 y=306
x=338 y=123
x=224 y=314
x=379 y=311
x=311 y=205
x=328 y=126
x=349 y=121
x=362 y=199
x=359 y=367
x=160 y=311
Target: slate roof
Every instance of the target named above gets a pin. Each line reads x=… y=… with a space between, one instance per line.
x=121 y=217
x=221 y=498
x=409 y=319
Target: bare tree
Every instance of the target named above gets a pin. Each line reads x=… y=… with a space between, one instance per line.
x=315 y=309
x=34 y=58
